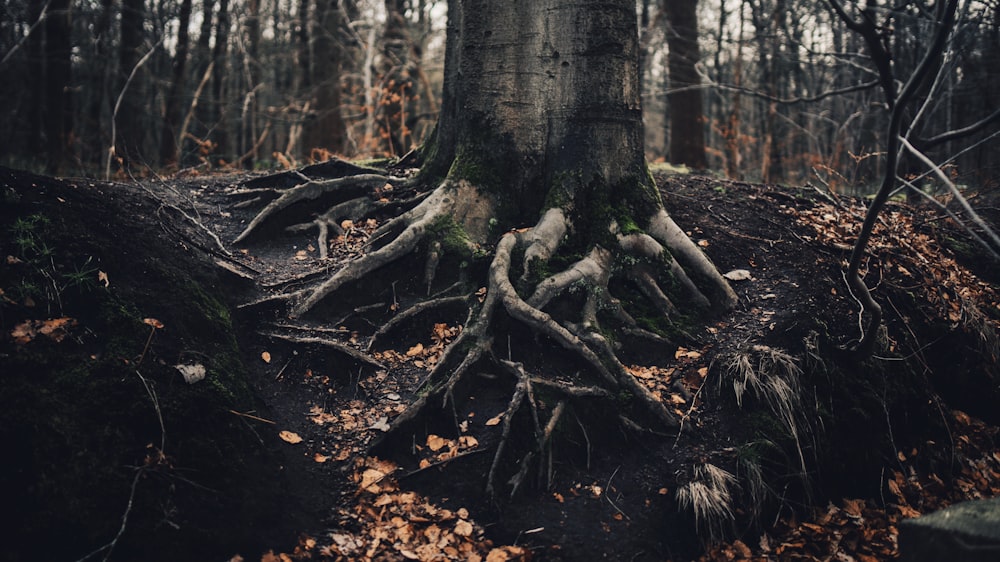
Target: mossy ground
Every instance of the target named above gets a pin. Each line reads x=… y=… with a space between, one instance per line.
x=76 y=414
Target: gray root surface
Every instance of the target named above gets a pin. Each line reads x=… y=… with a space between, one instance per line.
x=310 y=190
x=655 y=252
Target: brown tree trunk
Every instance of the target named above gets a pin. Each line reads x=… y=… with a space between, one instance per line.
x=169 y=143
x=687 y=119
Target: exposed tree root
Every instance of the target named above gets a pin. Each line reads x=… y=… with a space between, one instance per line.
x=352 y=187
x=412 y=312
x=332 y=344
x=643 y=259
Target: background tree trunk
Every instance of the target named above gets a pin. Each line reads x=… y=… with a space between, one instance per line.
x=129 y=130
x=169 y=143
x=58 y=112
x=36 y=79
x=327 y=130
x=219 y=122
x=687 y=119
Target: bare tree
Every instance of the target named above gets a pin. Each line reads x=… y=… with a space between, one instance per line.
x=897 y=99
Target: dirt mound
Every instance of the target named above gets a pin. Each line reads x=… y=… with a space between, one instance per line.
x=104 y=295
x=115 y=295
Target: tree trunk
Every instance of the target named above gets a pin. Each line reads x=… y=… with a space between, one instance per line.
x=248 y=148
x=36 y=79
x=544 y=98
x=58 y=115
x=687 y=127
x=169 y=143
x=129 y=130
x=219 y=123
x=302 y=52
x=396 y=77
x=93 y=127
x=327 y=130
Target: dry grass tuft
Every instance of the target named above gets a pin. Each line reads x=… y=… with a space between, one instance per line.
x=772 y=376
x=709 y=496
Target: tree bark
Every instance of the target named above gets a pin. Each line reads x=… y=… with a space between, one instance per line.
x=36 y=79
x=248 y=148
x=58 y=115
x=543 y=98
x=396 y=78
x=687 y=118
x=129 y=130
x=169 y=143
x=219 y=123
x=327 y=130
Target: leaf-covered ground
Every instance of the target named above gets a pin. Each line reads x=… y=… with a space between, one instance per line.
x=909 y=431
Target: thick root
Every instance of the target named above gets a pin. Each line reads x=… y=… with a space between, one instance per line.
x=351 y=188
x=555 y=310
x=417 y=222
x=694 y=261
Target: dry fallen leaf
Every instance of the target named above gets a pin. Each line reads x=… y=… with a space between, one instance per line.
x=415 y=350
x=23 y=333
x=290 y=437
x=382 y=424
x=504 y=553
x=56 y=329
x=103 y=278
x=495 y=420
x=370 y=477
x=266 y=357
x=435 y=442
x=319 y=457
x=463 y=528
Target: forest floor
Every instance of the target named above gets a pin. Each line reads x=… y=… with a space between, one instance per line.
x=907 y=432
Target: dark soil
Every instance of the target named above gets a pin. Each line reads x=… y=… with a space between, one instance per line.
x=218 y=480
